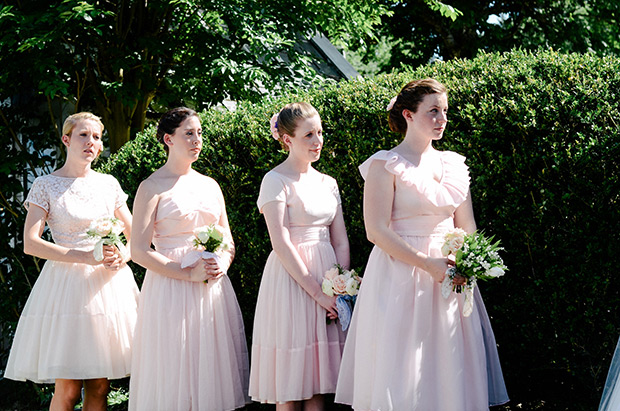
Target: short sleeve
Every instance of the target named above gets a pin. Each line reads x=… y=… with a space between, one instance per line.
x=38 y=195
x=120 y=197
x=272 y=188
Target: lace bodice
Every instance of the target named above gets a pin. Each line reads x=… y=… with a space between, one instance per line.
x=73 y=203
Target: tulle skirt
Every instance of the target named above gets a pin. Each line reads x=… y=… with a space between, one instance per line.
x=610 y=401
x=190 y=351
x=78 y=323
x=408 y=348
x=295 y=353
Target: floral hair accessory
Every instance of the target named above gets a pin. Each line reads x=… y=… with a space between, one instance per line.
x=391 y=103
x=274 y=126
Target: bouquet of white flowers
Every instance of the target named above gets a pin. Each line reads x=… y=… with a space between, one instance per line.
x=476 y=257
x=107 y=231
x=209 y=241
x=345 y=285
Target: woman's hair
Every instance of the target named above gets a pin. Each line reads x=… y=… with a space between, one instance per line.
x=410 y=98
x=170 y=121
x=73 y=119
x=289 y=116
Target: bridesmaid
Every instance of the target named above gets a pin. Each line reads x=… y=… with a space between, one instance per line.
x=77 y=325
x=295 y=353
x=408 y=348
x=189 y=351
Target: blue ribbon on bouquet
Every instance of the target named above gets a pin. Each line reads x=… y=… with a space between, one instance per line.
x=344 y=305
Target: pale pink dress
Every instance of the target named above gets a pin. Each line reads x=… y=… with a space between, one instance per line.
x=190 y=351
x=79 y=319
x=408 y=348
x=295 y=353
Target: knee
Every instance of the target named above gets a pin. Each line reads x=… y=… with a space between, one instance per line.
x=98 y=388
x=68 y=393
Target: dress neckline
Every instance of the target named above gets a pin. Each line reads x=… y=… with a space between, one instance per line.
x=318 y=174
x=91 y=173
x=412 y=166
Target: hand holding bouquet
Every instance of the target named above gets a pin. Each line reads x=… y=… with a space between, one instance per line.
x=344 y=284
x=209 y=241
x=107 y=231
x=476 y=257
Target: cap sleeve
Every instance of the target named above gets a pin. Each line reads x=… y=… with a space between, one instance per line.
x=38 y=195
x=272 y=188
x=394 y=163
x=119 y=195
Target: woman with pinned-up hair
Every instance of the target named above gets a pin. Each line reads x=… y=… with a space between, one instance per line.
x=77 y=326
x=295 y=351
x=190 y=351
x=408 y=347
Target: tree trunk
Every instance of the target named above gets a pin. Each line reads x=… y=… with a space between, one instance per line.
x=118 y=122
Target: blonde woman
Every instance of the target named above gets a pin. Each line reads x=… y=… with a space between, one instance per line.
x=77 y=325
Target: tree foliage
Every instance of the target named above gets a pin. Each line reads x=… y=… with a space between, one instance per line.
x=117 y=57
x=415 y=35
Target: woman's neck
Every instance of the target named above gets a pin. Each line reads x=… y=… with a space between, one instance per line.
x=73 y=169
x=177 y=166
x=296 y=166
x=417 y=144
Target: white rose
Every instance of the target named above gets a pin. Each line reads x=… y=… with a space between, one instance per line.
x=117 y=226
x=352 y=286
x=202 y=234
x=495 y=272
x=327 y=287
x=217 y=233
x=103 y=227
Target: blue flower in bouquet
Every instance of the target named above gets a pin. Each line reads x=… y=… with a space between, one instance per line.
x=344 y=284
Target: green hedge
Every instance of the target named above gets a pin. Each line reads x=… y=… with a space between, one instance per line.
x=540 y=131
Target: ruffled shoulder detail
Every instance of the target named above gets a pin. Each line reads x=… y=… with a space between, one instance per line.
x=451 y=190
x=455 y=179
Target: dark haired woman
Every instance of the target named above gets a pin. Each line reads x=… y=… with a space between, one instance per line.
x=189 y=350
x=408 y=348
x=295 y=353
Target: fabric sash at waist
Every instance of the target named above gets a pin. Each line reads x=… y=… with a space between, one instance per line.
x=167 y=243
x=302 y=234
x=423 y=226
